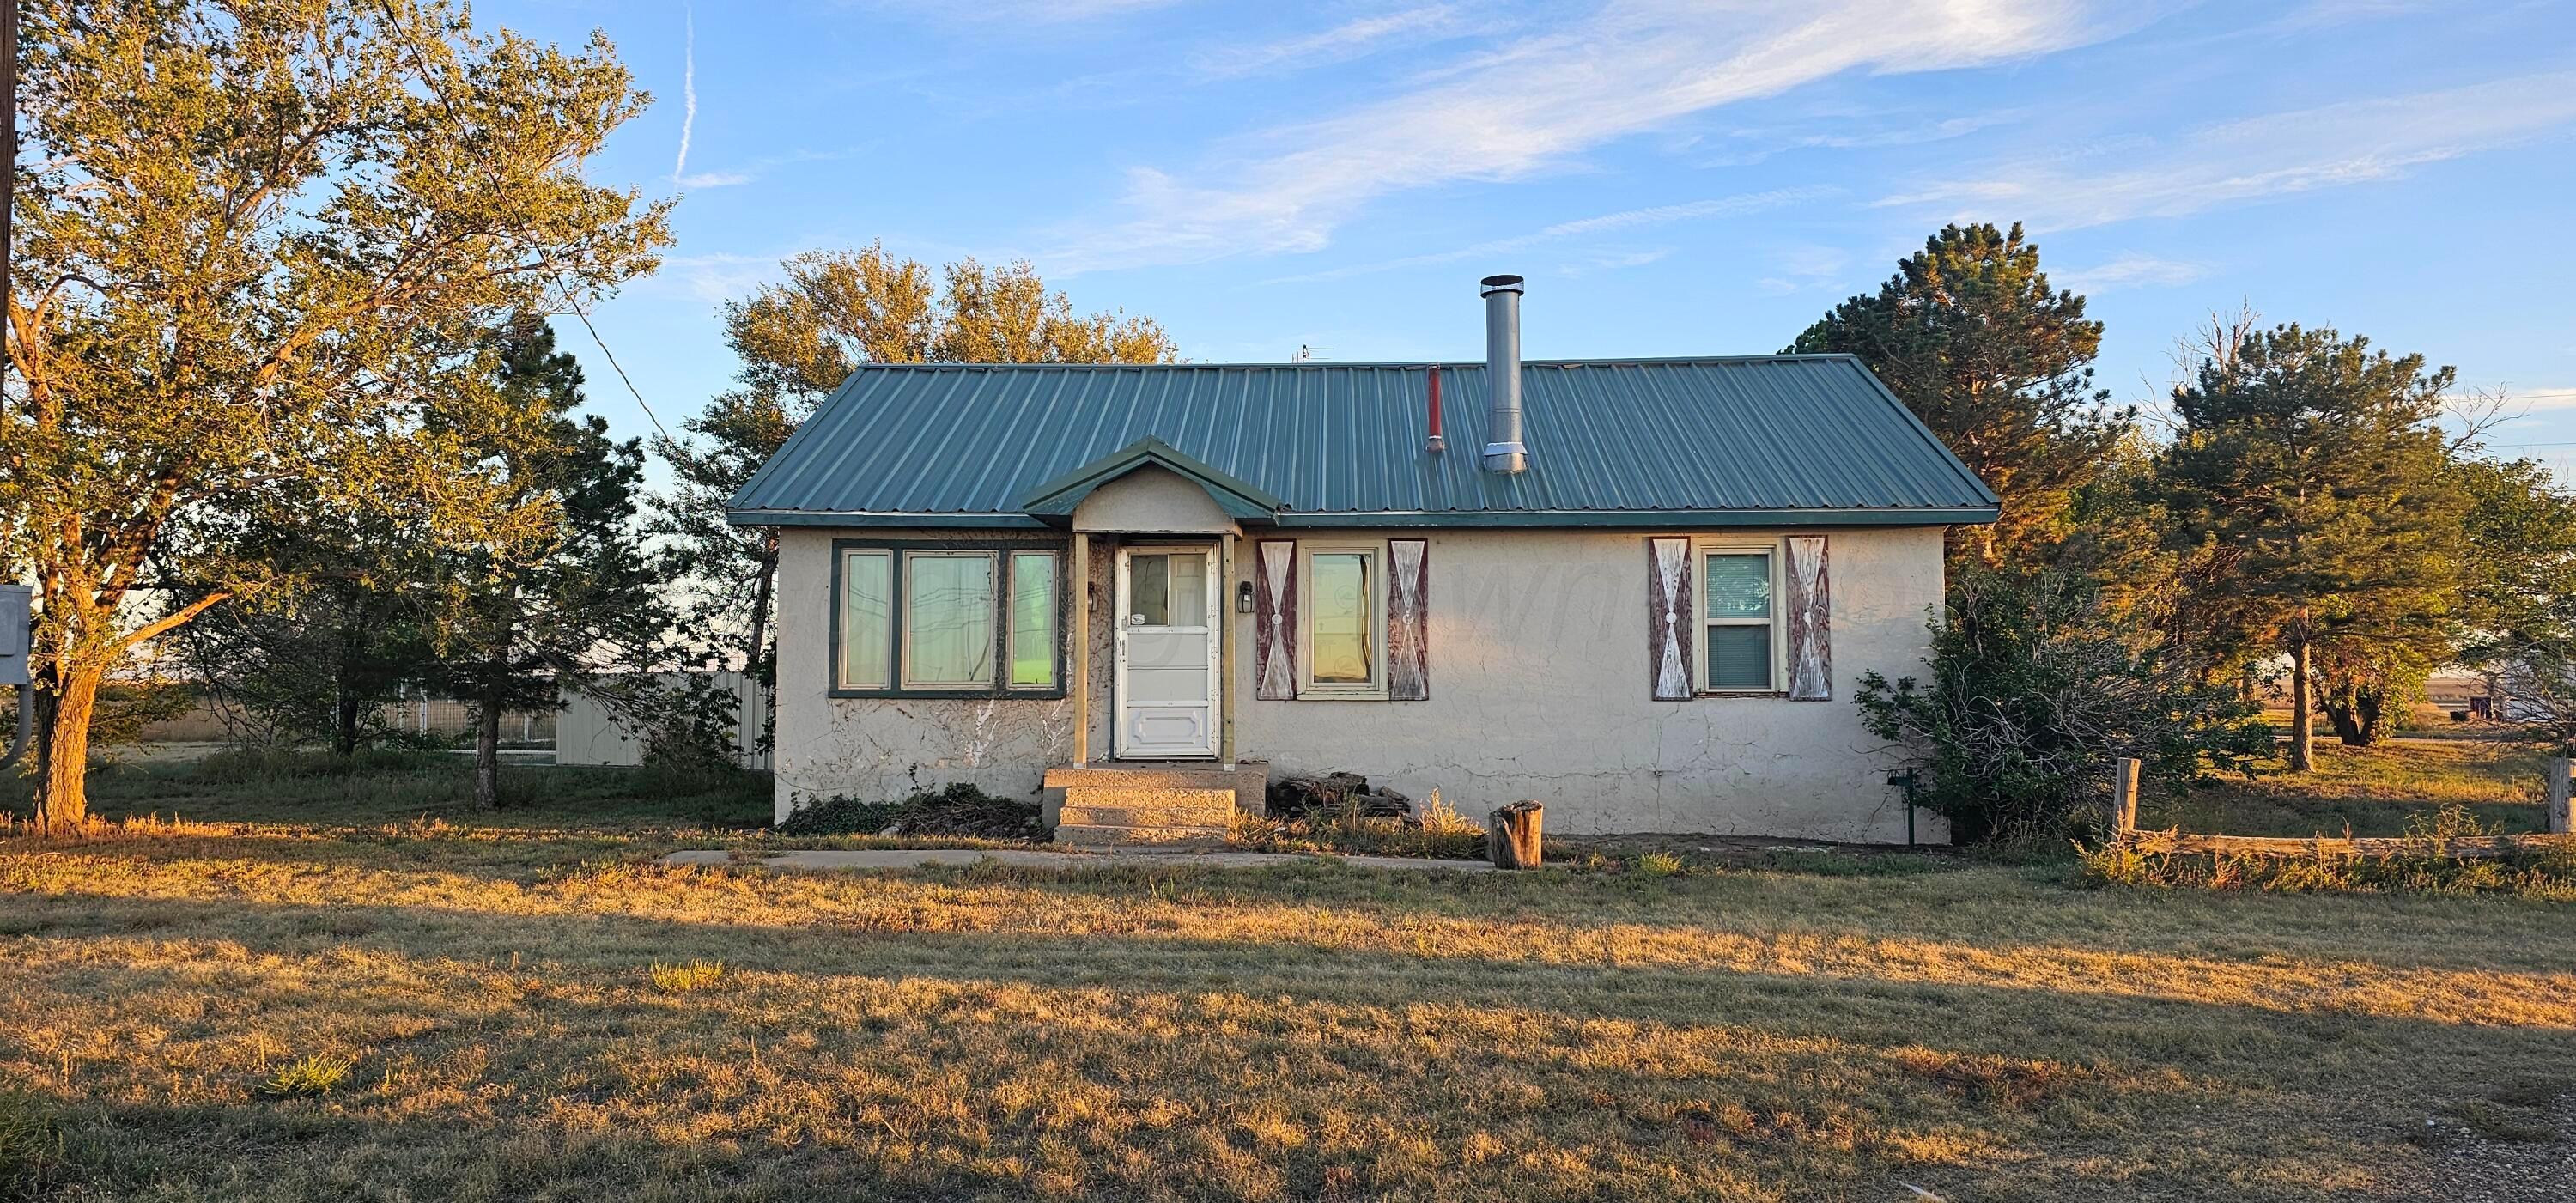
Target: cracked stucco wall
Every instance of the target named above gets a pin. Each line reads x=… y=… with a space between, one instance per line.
x=1538 y=690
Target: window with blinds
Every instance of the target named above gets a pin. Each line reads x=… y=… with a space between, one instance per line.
x=1739 y=627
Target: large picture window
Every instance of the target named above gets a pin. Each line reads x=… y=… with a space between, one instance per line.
x=1739 y=618
x=946 y=620
x=1344 y=609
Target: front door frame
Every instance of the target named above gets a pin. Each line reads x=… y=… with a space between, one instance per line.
x=1216 y=633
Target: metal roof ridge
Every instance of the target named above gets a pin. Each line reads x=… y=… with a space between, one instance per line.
x=1455 y=364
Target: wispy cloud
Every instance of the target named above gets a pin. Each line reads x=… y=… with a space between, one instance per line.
x=1349 y=40
x=2537 y=400
x=2131 y=270
x=1625 y=219
x=2277 y=155
x=688 y=93
x=1538 y=100
x=712 y=179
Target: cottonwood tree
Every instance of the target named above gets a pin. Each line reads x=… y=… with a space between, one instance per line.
x=1970 y=336
x=2313 y=469
x=560 y=585
x=253 y=243
x=797 y=340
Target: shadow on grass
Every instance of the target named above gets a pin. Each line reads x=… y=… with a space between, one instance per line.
x=947 y=1062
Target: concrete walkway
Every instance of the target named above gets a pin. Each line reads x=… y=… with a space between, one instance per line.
x=908 y=858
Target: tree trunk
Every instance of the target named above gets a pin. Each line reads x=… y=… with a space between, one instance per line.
x=1511 y=835
x=344 y=728
x=64 y=801
x=487 y=753
x=2302 y=757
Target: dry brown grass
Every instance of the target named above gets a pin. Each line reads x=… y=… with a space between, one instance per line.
x=1742 y=1031
x=509 y=1001
x=2374 y=791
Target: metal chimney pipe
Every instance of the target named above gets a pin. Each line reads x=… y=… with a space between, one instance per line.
x=1504 y=451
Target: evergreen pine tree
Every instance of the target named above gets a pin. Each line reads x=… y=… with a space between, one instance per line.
x=2310 y=469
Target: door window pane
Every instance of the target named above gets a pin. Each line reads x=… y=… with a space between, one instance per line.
x=1739 y=586
x=1188 y=577
x=1739 y=657
x=1149 y=590
x=1167 y=589
x=1033 y=612
x=867 y=590
x=1337 y=626
x=948 y=607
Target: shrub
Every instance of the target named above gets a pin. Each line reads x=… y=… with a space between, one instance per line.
x=1349 y=826
x=840 y=816
x=1657 y=864
x=2035 y=688
x=2422 y=865
x=959 y=809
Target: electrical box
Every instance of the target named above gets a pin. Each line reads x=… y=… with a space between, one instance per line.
x=15 y=602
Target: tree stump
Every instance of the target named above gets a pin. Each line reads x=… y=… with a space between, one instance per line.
x=1511 y=835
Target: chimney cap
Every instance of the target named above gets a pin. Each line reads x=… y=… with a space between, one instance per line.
x=1491 y=284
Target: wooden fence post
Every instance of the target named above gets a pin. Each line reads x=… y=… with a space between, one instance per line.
x=1511 y=836
x=2562 y=820
x=2124 y=796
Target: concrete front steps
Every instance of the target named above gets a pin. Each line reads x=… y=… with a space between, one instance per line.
x=1160 y=804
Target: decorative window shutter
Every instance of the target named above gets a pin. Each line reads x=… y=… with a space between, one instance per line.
x=1810 y=601
x=1408 y=619
x=1274 y=620
x=1669 y=618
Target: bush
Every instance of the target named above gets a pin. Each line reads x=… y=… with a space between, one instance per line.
x=959 y=809
x=2035 y=688
x=1351 y=826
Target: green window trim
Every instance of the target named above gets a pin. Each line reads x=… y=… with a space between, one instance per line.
x=1020 y=663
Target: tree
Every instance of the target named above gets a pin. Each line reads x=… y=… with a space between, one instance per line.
x=2311 y=471
x=563 y=582
x=252 y=241
x=797 y=341
x=2518 y=566
x=2035 y=687
x=309 y=659
x=1968 y=334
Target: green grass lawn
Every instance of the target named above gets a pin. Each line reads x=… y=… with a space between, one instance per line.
x=358 y=989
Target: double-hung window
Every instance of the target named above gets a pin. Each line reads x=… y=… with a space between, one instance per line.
x=946 y=619
x=1342 y=589
x=1739 y=617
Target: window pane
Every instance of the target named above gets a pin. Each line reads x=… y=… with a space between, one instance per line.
x=866 y=590
x=1149 y=590
x=1739 y=586
x=948 y=618
x=1739 y=657
x=1189 y=589
x=1033 y=619
x=1337 y=627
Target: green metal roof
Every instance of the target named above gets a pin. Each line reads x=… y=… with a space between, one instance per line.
x=1761 y=440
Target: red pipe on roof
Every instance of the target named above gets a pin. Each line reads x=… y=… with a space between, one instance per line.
x=1437 y=443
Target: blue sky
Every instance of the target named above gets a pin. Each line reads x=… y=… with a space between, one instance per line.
x=1674 y=178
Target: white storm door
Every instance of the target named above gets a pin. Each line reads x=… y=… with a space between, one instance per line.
x=1166 y=655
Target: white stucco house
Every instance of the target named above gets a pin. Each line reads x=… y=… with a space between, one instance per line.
x=1640 y=591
